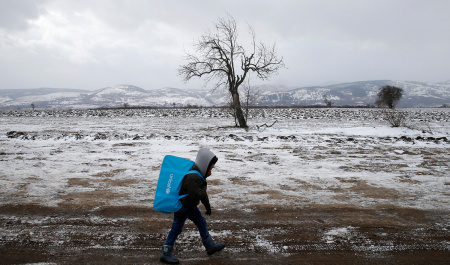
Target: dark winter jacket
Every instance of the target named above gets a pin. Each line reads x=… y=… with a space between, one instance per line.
x=194 y=185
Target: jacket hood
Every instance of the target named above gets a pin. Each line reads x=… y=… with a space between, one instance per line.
x=205 y=159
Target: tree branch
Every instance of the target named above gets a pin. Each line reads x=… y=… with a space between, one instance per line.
x=218 y=56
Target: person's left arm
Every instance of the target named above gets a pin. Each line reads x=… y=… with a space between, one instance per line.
x=205 y=199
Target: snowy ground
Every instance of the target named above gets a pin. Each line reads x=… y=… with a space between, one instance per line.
x=310 y=158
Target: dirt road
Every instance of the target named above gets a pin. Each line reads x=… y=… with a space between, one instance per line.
x=320 y=234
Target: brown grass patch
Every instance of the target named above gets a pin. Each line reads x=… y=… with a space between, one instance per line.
x=273 y=194
x=34 y=178
x=382 y=166
x=244 y=181
x=22 y=190
x=351 y=180
x=215 y=182
x=367 y=190
x=342 y=197
x=83 y=182
x=305 y=185
x=124 y=144
x=265 y=207
x=120 y=182
x=109 y=174
x=288 y=187
x=406 y=214
x=89 y=199
x=407 y=179
x=214 y=191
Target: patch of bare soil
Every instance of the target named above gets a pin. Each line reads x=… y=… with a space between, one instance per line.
x=89 y=233
x=89 y=199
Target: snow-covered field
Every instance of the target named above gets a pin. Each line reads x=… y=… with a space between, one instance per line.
x=309 y=156
x=308 y=162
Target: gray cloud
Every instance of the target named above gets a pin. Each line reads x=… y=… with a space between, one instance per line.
x=93 y=44
x=15 y=14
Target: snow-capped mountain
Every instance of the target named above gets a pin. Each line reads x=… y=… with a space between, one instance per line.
x=135 y=96
x=416 y=94
x=115 y=96
x=40 y=97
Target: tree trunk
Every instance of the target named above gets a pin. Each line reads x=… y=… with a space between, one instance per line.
x=238 y=109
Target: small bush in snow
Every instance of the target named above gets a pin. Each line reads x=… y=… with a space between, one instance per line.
x=396 y=118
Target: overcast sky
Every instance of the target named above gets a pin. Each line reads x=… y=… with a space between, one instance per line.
x=92 y=44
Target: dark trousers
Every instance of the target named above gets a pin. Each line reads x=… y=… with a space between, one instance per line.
x=179 y=218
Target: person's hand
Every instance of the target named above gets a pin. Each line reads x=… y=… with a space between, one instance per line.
x=208 y=212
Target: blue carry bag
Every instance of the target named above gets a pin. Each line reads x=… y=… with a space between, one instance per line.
x=167 y=195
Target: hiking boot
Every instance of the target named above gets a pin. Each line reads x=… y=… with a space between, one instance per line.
x=167 y=257
x=212 y=247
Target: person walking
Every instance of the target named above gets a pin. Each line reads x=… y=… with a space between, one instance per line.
x=195 y=187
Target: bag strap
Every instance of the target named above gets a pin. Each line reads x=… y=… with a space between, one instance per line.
x=198 y=173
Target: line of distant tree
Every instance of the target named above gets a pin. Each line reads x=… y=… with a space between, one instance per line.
x=227 y=107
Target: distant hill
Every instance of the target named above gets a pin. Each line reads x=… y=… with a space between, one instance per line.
x=363 y=93
x=416 y=94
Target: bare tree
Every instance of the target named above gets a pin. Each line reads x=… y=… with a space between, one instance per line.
x=396 y=118
x=251 y=95
x=326 y=101
x=220 y=57
x=233 y=110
